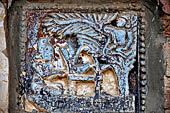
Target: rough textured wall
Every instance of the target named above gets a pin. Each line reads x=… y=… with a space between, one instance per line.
x=3 y=65
x=167 y=77
x=166 y=47
x=166 y=32
x=155 y=69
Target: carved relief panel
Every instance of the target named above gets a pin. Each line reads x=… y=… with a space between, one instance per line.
x=80 y=60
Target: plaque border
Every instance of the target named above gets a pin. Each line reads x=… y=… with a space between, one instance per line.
x=142 y=75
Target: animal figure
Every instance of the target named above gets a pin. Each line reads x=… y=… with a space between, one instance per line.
x=103 y=43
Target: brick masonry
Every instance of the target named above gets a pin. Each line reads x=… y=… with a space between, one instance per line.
x=166 y=46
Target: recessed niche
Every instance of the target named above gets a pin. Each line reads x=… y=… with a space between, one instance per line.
x=75 y=60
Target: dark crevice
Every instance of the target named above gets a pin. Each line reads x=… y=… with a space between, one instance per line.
x=133 y=82
x=133 y=79
x=114 y=22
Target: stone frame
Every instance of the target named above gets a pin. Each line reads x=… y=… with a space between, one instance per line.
x=20 y=41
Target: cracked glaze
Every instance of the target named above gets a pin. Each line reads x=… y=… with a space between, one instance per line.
x=79 y=54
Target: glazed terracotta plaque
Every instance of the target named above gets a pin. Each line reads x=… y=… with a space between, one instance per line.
x=80 y=61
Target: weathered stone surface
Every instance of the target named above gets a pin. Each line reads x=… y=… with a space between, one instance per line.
x=3 y=65
x=167 y=77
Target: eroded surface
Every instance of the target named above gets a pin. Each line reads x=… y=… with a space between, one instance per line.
x=79 y=58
